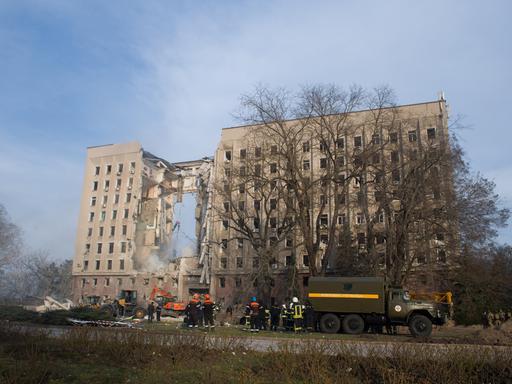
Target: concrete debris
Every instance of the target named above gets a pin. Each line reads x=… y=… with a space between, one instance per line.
x=100 y=323
x=50 y=304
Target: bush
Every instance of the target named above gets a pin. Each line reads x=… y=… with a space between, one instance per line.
x=60 y=317
x=16 y=313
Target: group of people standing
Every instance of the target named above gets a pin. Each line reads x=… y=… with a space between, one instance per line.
x=291 y=315
x=490 y=319
x=198 y=314
x=154 y=307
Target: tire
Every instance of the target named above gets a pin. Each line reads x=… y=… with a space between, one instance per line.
x=353 y=324
x=420 y=326
x=139 y=313
x=329 y=323
x=107 y=309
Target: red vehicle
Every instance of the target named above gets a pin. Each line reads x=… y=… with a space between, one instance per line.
x=170 y=305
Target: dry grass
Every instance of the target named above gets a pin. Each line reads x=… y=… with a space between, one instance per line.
x=126 y=356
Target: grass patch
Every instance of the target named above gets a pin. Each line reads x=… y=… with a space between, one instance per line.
x=58 y=317
x=127 y=356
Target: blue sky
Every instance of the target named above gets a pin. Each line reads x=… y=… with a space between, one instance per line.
x=169 y=74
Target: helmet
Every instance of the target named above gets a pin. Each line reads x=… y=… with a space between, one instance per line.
x=207 y=297
x=253 y=298
x=196 y=296
x=295 y=300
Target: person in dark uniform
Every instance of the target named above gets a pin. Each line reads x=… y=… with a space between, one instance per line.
x=253 y=310
x=192 y=311
x=262 y=325
x=309 y=317
x=158 y=311
x=275 y=312
x=208 y=308
x=151 y=311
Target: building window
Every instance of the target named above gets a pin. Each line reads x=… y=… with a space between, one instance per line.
x=227 y=172
x=128 y=197
x=84 y=282
x=238 y=282
x=125 y=230
x=120 y=168
x=89 y=232
x=99 y=247
x=239 y=262
x=358 y=141
x=393 y=137
x=225 y=224
x=361 y=238
x=242 y=171
x=381 y=217
x=394 y=157
x=132 y=167
x=324 y=219
x=241 y=205
x=95 y=281
x=97 y=266
x=305 y=260
x=123 y=246
x=323 y=145
x=121 y=264
x=421 y=259
x=376 y=139
x=224 y=244
x=305 y=281
x=130 y=183
x=376 y=158
x=100 y=231
x=104 y=201
x=222 y=282
x=323 y=199
x=412 y=136
x=431 y=133
x=273 y=150
x=341 y=219
x=116 y=198
x=119 y=282
x=93 y=201
x=109 y=265
x=126 y=213
x=381 y=239
x=273 y=222
x=441 y=256
x=273 y=204
x=87 y=248
x=257 y=152
x=395 y=175
x=288 y=260
x=341 y=199
x=255 y=262
x=243 y=154
x=340 y=143
x=114 y=214
x=240 y=243
x=324 y=239
x=241 y=188
x=223 y=262
x=227 y=155
x=288 y=242
x=108 y=169
x=106 y=185
x=305 y=146
x=360 y=218
x=256 y=223
x=323 y=163
x=305 y=165
x=110 y=248
x=97 y=171
x=91 y=216
x=95 y=186
x=103 y=215
x=273 y=168
x=340 y=161
x=86 y=265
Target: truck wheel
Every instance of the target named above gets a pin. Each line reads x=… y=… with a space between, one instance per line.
x=420 y=326
x=353 y=324
x=139 y=313
x=107 y=309
x=329 y=323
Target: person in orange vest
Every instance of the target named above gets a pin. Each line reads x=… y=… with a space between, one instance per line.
x=253 y=309
x=192 y=311
x=208 y=308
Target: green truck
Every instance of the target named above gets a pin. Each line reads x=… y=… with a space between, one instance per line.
x=353 y=304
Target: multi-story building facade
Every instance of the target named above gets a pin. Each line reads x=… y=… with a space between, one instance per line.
x=373 y=213
x=125 y=225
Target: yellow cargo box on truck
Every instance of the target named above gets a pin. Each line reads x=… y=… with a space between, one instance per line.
x=354 y=303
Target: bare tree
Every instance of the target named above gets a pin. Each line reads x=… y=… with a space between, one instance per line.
x=10 y=239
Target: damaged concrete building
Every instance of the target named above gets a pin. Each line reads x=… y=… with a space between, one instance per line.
x=126 y=222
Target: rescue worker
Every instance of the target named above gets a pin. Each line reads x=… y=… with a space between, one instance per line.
x=253 y=310
x=485 y=320
x=262 y=316
x=275 y=312
x=158 y=311
x=490 y=318
x=285 y=312
x=208 y=308
x=297 y=314
x=151 y=310
x=309 y=317
x=192 y=311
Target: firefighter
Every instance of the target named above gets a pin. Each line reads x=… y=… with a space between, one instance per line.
x=285 y=320
x=192 y=311
x=297 y=315
x=262 y=316
x=151 y=310
x=275 y=312
x=253 y=310
x=158 y=311
x=208 y=308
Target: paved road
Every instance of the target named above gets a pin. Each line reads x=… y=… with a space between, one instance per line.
x=262 y=344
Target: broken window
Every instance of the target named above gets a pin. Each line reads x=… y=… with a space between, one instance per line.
x=341 y=219
x=243 y=154
x=412 y=136
x=376 y=139
x=273 y=222
x=119 y=167
x=97 y=171
x=109 y=169
x=324 y=219
x=340 y=143
x=431 y=133
x=323 y=163
x=89 y=232
x=225 y=224
x=305 y=165
x=257 y=152
x=95 y=186
x=273 y=204
x=288 y=260
x=393 y=137
x=86 y=265
x=223 y=262
x=128 y=197
x=305 y=146
x=93 y=201
x=241 y=188
x=360 y=218
x=239 y=262
x=273 y=168
x=224 y=244
x=227 y=155
x=358 y=141
x=288 y=242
